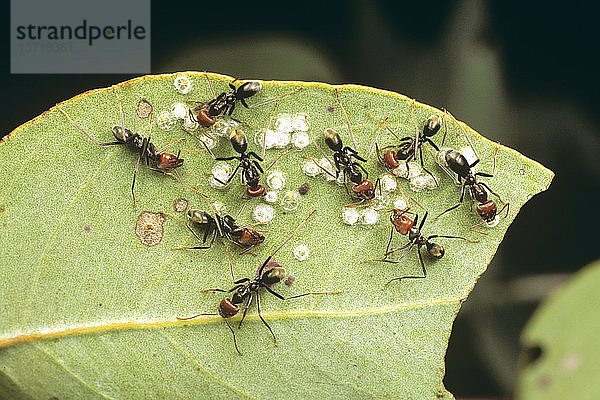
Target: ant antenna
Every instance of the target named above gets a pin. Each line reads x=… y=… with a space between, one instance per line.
x=284 y=242
x=347 y=121
x=381 y=125
x=264 y=145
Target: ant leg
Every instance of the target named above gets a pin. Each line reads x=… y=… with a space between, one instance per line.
x=452 y=237
x=260 y=270
x=137 y=164
x=425 y=169
x=278 y=158
x=231 y=108
x=246 y=309
x=263 y=320
x=364 y=170
x=253 y=154
x=312 y=136
x=233 y=333
x=228 y=261
x=375 y=139
x=490 y=190
x=170 y=145
x=462 y=196
x=244 y=103
x=408 y=245
x=230 y=176
x=318 y=165
x=475 y=230
x=212 y=241
x=210 y=85
x=260 y=103
x=346 y=117
x=411 y=276
x=274 y=293
x=387 y=249
x=445 y=128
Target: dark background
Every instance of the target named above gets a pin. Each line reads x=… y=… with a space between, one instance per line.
x=522 y=74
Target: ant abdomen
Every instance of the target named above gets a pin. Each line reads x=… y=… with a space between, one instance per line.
x=198 y=216
x=332 y=139
x=238 y=140
x=122 y=134
x=248 y=89
x=432 y=125
x=457 y=163
x=435 y=250
x=273 y=276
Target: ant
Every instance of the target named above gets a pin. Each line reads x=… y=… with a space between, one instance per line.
x=164 y=161
x=402 y=224
x=363 y=189
x=409 y=146
x=486 y=207
x=245 y=289
x=223 y=225
x=205 y=112
x=251 y=168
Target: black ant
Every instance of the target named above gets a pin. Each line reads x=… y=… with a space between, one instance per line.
x=251 y=168
x=487 y=208
x=245 y=289
x=164 y=161
x=363 y=189
x=402 y=224
x=458 y=164
x=408 y=146
x=205 y=112
x=223 y=225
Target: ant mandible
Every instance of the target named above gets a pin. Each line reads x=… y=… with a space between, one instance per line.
x=363 y=189
x=409 y=146
x=402 y=224
x=245 y=289
x=205 y=112
x=164 y=161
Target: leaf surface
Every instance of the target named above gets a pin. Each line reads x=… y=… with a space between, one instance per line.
x=87 y=311
x=562 y=342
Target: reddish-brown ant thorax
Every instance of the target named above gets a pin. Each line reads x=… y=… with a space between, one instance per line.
x=487 y=210
x=169 y=161
x=390 y=159
x=227 y=309
x=250 y=237
x=402 y=223
x=204 y=119
x=256 y=191
x=364 y=190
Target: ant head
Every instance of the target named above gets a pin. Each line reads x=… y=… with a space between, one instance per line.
x=248 y=89
x=238 y=140
x=121 y=134
x=432 y=126
x=168 y=161
x=227 y=308
x=401 y=222
x=435 y=250
x=487 y=211
x=250 y=237
x=197 y=216
x=203 y=118
x=332 y=139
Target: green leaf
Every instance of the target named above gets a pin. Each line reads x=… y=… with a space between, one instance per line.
x=87 y=311
x=561 y=354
